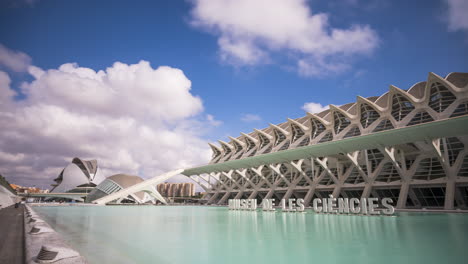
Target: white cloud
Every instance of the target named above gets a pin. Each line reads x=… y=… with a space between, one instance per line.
x=250 y=30
x=320 y=67
x=250 y=118
x=213 y=121
x=133 y=119
x=6 y=94
x=120 y=90
x=457 y=14
x=314 y=108
x=14 y=60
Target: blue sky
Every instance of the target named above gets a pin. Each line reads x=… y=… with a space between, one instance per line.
x=407 y=40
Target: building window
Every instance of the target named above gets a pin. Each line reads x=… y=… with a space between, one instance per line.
x=368 y=115
x=353 y=193
x=353 y=132
x=264 y=141
x=326 y=138
x=388 y=193
x=340 y=122
x=454 y=147
x=317 y=128
x=430 y=197
x=297 y=132
x=440 y=97
x=429 y=169
x=250 y=144
x=462 y=109
x=388 y=174
x=463 y=172
x=401 y=107
x=279 y=137
x=384 y=125
x=375 y=157
x=420 y=117
x=355 y=177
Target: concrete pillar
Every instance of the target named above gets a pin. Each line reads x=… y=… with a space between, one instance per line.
x=309 y=195
x=288 y=193
x=449 y=195
x=367 y=190
x=213 y=198
x=253 y=194
x=401 y=204
x=270 y=194
x=337 y=190
x=239 y=194
x=224 y=198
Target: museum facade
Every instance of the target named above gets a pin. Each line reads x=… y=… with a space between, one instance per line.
x=408 y=145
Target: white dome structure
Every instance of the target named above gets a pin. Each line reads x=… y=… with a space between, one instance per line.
x=119 y=182
x=114 y=184
x=79 y=173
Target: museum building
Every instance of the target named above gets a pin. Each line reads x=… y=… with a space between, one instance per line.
x=408 y=145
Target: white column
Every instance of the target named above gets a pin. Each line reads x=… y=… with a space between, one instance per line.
x=449 y=194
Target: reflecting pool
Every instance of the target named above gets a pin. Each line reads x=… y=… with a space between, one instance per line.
x=184 y=234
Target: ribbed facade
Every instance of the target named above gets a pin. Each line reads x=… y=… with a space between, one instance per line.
x=113 y=184
x=431 y=173
x=186 y=189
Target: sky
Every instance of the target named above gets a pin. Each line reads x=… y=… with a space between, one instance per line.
x=143 y=86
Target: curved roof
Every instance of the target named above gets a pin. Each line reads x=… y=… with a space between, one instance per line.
x=78 y=172
x=125 y=180
x=89 y=167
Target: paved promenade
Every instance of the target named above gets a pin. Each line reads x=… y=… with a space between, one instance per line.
x=12 y=235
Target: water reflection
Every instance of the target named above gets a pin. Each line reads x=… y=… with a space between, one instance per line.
x=213 y=235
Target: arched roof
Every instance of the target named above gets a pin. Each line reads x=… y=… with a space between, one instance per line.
x=125 y=180
x=89 y=167
x=82 y=172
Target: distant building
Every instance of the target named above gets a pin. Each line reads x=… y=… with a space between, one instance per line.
x=80 y=176
x=186 y=189
x=21 y=189
x=116 y=183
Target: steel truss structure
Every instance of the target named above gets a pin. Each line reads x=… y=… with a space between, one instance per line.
x=409 y=145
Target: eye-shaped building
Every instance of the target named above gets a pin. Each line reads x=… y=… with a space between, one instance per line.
x=78 y=176
x=408 y=145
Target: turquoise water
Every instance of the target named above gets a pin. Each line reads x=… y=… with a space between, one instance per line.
x=183 y=234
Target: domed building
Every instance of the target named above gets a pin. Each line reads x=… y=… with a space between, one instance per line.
x=116 y=183
x=80 y=176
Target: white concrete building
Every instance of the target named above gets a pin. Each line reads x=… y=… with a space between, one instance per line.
x=140 y=191
x=409 y=145
x=78 y=176
x=118 y=182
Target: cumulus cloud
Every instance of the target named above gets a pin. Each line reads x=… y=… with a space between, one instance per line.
x=314 y=108
x=249 y=31
x=14 y=60
x=457 y=14
x=250 y=118
x=133 y=119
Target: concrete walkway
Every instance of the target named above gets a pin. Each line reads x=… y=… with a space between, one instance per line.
x=12 y=235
